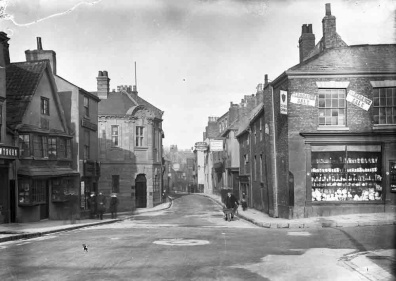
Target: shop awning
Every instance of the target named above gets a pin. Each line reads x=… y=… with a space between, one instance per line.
x=54 y=171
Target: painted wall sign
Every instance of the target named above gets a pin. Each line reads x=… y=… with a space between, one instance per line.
x=283 y=102
x=304 y=99
x=359 y=100
x=216 y=145
x=89 y=125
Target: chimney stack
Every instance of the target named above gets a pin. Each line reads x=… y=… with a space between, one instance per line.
x=306 y=41
x=103 y=85
x=4 y=51
x=329 y=29
x=40 y=54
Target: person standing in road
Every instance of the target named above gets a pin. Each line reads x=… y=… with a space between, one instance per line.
x=231 y=202
x=92 y=205
x=101 y=205
x=113 y=205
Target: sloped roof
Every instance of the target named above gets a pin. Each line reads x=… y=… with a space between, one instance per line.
x=118 y=103
x=245 y=122
x=22 y=80
x=233 y=126
x=357 y=58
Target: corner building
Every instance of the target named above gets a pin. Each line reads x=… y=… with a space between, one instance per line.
x=336 y=145
x=130 y=146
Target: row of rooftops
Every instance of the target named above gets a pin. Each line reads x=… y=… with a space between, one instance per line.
x=22 y=79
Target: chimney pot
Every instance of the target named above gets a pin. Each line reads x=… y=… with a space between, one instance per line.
x=266 y=79
x=100 y=74
x=105 y=74
x=39 y=45
x=328 y=9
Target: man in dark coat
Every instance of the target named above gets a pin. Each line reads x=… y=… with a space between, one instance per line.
x=101 y=205
x=113 y=205
x=231 y=202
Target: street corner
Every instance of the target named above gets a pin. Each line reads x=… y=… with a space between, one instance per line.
x=373 y=265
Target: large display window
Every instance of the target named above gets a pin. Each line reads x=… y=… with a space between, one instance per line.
x=346 y=173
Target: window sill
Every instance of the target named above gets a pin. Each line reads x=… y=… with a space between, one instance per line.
x=141 y=147
x=385 y=127
x=333 y=128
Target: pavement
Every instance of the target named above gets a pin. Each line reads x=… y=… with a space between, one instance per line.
x=16 y=231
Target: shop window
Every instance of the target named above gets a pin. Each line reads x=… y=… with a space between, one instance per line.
x=45 y=110
x=24 y=145
x=115 y=135
x=61 y=189
x=1 y=119
x=32 y=192
x=332 y=107
x=139 y=135
x=86 y=106
x=51 y=147
x=392 y=178
x=384 y=105
x=346 y=173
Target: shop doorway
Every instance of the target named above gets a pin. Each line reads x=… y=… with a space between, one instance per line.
x=44 y=208
x=141 y=191
x=12 y=201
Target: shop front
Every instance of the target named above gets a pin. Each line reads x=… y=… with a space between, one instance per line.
x=88 y=185
x=349 y=174
x=8 y=156
x=47 y=192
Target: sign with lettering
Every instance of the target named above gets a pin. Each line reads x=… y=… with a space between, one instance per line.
x=359 y=100
x=216 y=145
x=283 y=102
x=304 y=99
x=9 y=152
x=201 y=146
x=89 y=125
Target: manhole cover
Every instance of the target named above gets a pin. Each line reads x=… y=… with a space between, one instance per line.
x=181 y=242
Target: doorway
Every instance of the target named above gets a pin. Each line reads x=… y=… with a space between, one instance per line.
x=141 y=191
x=13 y=199
x=44 y=208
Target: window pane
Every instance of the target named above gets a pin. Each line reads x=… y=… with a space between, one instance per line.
x=334 y=103
x=382 y=97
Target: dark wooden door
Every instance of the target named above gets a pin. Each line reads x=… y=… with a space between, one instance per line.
x=44 y=208
x=141 y=192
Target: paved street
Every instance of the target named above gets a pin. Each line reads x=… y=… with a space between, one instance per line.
x=191 y=241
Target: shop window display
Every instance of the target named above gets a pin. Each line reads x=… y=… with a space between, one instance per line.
x=31 y=192
x=346 y=173
x=61 y=189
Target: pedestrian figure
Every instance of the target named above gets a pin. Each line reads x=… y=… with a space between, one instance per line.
x=231 y=203
x=243 y=202
x=92 y=205
x=113 y=205
x=101 y=205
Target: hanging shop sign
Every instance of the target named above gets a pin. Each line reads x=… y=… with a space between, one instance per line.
x=304 y=99
x=359 y=100
x=216 y=145
x=10 y=152
x=201 y=146
x=283 y=102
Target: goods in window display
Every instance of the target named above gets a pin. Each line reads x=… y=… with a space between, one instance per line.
x=346 y=176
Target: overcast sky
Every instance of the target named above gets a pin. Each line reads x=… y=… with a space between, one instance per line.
x=193 y=57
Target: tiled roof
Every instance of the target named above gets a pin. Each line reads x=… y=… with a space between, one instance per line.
x=358 y=58
x=245 y=122
x=118 y=103
x=22 y=80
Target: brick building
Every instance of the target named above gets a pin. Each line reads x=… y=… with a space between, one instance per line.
x=331 y=123
x=130 y=146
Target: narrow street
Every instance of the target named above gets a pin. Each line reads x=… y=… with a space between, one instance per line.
x=191 y=241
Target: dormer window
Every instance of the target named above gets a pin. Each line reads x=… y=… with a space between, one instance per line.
x=45 y=106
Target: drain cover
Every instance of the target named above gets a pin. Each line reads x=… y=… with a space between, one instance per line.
x=181 y=242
